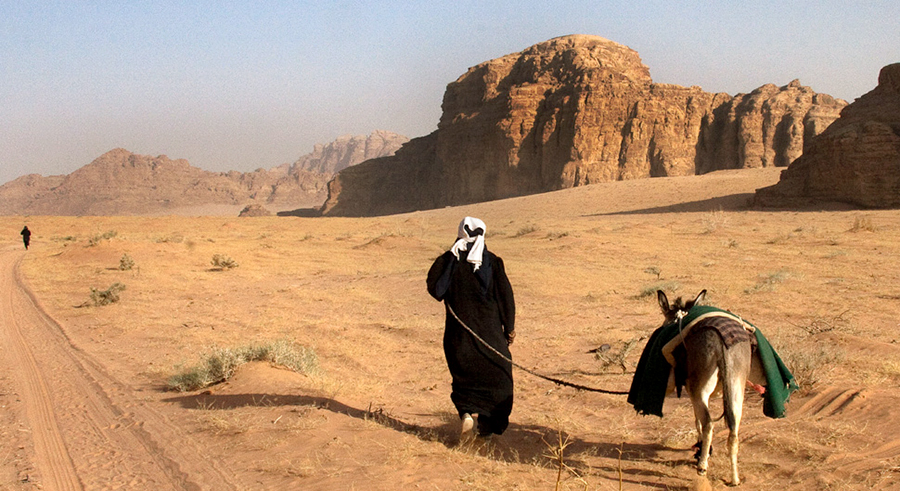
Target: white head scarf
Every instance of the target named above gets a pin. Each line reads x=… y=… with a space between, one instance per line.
x=470 y=239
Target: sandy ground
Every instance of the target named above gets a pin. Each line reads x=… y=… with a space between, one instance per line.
x=84 y=402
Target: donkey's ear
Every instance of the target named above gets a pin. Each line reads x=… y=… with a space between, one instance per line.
x=701 y=297
x=663 y=301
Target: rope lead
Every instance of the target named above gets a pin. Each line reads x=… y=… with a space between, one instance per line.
x=532 y=372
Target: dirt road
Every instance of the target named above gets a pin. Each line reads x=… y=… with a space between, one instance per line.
x=83 y=428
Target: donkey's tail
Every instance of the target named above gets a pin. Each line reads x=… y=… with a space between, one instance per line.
x=725 y=378
x=728 y=402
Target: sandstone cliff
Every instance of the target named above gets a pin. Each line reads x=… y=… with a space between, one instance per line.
x=122 y=183
x=856 y=160
x=577 y=110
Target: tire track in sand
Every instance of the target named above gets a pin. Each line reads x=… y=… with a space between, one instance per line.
x=90 y=431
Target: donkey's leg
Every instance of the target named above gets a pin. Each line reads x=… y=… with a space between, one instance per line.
x=700 y=393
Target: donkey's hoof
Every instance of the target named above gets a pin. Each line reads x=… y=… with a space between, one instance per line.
x=701 y=472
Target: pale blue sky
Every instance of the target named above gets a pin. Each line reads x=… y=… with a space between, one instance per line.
x=243 y=85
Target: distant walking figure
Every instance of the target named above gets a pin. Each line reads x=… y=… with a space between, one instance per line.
x=26 y=236
x=473 y=282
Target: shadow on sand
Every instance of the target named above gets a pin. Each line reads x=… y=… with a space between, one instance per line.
x=732 y=202
x=525 y=444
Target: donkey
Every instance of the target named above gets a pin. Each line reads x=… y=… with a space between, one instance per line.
x=711 y=366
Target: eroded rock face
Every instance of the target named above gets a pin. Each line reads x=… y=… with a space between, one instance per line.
x=577 y=110
x=856 y=160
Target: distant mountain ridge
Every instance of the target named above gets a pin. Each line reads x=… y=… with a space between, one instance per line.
x=349 y=150
x=123 y=183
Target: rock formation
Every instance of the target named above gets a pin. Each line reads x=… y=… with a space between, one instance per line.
x=255 y=210
x=856 y=160
x=571 y=111
x=349 y=150
x=122 y=183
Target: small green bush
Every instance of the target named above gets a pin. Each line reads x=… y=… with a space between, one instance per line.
x=108 y=296
x=221 y=363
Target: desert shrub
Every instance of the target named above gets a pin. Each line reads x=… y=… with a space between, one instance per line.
x=654 y=270
x=525 y=231
x=108 y=296
x=810 y=366
x=96 y=239
x=126 y=263
x=714 y=220
x=769 y=281
x=174 y=238
x=863 y=224
x=557 y=235
x=221 y=363
x=672 y=286
x=221 y=262
x=780 y=239
x=820 y=324
x=608 y=358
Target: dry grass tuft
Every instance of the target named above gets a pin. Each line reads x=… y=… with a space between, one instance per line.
x=528 y=229
x=810 y=366
x=863 y=224
x=100 y=298
x=670 y=286
x=221 y=363
x=556 y=454
x=609 y=359
x=222 y=262
x=97 y=239
x=768 y=282
x=820 y=325
x=714 y=221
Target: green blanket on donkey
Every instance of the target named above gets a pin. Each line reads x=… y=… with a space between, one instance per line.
x=651 y=378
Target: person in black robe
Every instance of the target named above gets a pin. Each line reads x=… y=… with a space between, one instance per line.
x=26 y=236
x=472 y=282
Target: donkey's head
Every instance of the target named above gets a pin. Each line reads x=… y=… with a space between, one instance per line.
x=671 y=311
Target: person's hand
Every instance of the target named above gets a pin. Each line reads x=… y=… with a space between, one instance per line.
x=510 y=337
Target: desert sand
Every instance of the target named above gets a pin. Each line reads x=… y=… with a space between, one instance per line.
x=84 y=400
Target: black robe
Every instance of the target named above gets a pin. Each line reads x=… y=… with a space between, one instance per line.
x=26 y=236
x=483 y=300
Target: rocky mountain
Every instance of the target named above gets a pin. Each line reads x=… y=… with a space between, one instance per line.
x=349 y=150
x=571 y=111
x=122 y=183
x=856 y=160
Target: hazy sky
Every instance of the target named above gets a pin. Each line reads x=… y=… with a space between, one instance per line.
x=243 y=85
